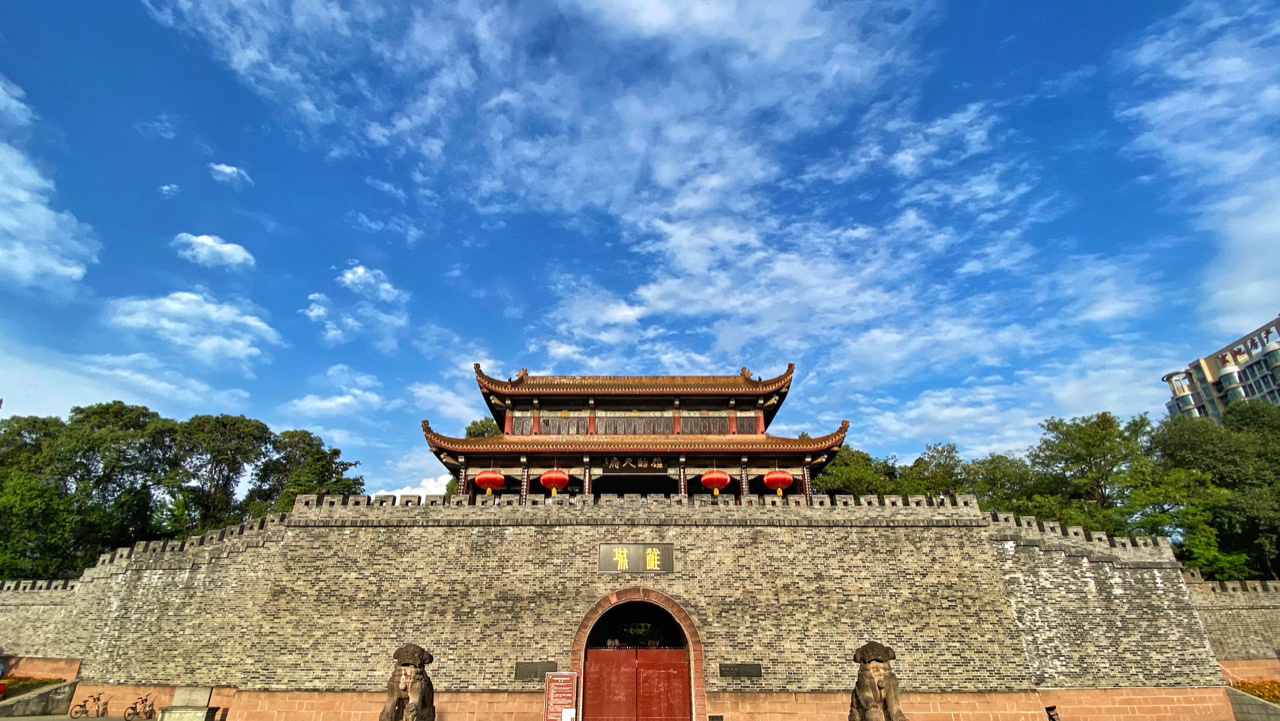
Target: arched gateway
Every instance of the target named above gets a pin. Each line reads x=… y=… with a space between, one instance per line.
x=639 y=657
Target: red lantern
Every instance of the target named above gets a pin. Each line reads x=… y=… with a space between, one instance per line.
x=715 y=480
x=777 y=480
x=555 y=479
x=490 y=481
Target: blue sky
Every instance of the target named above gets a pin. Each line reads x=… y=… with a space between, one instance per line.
x=956 y=219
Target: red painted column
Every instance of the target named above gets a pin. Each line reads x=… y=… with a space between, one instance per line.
x=506 y=424
x=537 y=421
x=675 y=422
x=759 y=421
x=733 y=421
x=591 y=421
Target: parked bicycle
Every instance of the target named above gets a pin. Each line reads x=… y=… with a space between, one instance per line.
x=92 y=705
x=143 y=707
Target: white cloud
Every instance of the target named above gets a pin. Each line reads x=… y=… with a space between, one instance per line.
x=230 y=175
x=371 y=284
x=380 y=311
x=165 y=127
x=212 y=251
x=41 y=382
x=416 y=472
x=1207 y=86
x=156 y=380
x=356 y=397
x=389 y=188
x=203 y=328
x=169 y=190
x=401 y=225
x=447 y=404
x=40 y=247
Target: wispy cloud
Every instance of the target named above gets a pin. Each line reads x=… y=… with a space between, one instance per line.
x=212 y=252
x=1204 y=101
x=165 y=127
x=357 y=396
x=40 y=247
x=230 y=175
x=401 y=225
x=169 y=190
x=379 y=311
x=205 y=329
x=383 y=186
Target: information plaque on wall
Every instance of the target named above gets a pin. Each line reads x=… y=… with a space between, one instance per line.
x=637 y=558
x=561 y=700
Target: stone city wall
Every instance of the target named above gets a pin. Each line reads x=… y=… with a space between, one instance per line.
x=317 y=600
x=1242 y=622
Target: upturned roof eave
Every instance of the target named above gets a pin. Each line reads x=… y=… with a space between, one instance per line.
x=690 y=444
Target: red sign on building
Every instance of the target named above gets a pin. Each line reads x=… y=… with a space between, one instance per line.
x=561 y=700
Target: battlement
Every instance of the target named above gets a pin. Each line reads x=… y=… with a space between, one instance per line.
x=1075 y=541
x=28 y=585
x=1197 y=582
x=647 y=509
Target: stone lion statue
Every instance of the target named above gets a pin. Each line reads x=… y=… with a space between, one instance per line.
x=875 y=697
x=410 y=695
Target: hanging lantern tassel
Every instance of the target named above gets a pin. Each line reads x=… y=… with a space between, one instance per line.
x=555 y=479
x=489 y=480
x=715 y=480
x=778 y=480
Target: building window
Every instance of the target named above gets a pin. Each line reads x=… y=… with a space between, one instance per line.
x=522 y=426
x=562 y=426
x=704 y=425
x=747 y=424
x=634 y=426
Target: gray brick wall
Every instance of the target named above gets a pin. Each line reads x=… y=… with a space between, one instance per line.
x=320 y=598
x=1241 y=618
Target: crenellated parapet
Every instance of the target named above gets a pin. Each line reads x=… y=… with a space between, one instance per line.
x=29 y=585
x=636 y=509
x=170 y=554
x=1246 y=591
x=1051 y=536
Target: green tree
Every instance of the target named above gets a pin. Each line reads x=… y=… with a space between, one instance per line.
x=1236 y=457
x=479 y=428
x=483 y=428
x=1088 y=466
x=1000 y=481
x=217 y=452
x=858 y=473
x=938 y=470
x=298 y=463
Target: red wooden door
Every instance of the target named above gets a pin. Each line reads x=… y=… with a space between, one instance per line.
x=635 y=685
x=662 y=685
x=609 y=685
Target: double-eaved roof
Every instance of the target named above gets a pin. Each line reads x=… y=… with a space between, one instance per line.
x=764 y=395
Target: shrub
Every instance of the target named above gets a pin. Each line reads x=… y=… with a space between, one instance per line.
x=1266 y=690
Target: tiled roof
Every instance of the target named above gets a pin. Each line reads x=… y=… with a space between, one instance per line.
x=525 y=384
x=734 y=443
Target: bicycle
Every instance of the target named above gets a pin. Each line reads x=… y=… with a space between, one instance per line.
x=143 y=706
x=81 y=709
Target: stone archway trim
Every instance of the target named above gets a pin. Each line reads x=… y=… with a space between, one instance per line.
x=627 y=595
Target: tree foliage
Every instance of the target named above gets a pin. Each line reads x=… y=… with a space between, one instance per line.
x=1214 y=490
x=113 y=474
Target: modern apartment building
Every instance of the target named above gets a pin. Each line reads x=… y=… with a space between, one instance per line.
x=1248 y=367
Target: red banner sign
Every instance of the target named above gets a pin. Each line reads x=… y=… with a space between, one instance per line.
x=561 y=700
